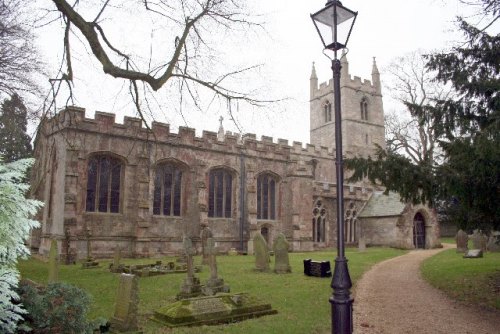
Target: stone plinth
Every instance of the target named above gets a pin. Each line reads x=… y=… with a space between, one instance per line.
x=222 y=308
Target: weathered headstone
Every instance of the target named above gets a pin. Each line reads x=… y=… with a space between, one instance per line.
x=204 y=235
x=494 y=243
x=214 y=283
x=191 y=286
x=115 y=265
x=361 y=244
x=281 y=260
x=261 y=253
x=67 y=251
x=461 y=239
x=89 y=261
x=232 y=252
x=473 y=254
x=53 y=263
x=479 y=240
x=127 y=301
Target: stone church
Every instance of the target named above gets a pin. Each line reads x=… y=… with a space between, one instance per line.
x=140 y=189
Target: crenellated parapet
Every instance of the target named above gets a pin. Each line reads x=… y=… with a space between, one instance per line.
x=104 y=124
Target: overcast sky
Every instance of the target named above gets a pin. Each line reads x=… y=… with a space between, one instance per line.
x=384 y=29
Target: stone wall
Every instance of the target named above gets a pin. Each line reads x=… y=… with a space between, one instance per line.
x=67 y=142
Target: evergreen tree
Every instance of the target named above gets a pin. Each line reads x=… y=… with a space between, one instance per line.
x=15 y=227
x=468 y=129
x=14 y=141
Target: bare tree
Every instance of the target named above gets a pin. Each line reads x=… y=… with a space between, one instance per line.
x=19 y=59
x=408 y=130
x=187 y=44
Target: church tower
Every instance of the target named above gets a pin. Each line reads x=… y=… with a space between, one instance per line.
x=361 y=107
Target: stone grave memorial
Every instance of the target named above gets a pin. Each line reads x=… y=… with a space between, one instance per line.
x=361 y=244
x=212 y=310
x=281 y=260
x=68 y=253
x=53 y=262
x=479 y=240
x=462 y=238
x=127 y=302
x=204 y=235
x=214 y=284
x=473 y=254
x=317 y=268
x=89 y=262
x=494 y=243
x=191 y=286
x=261 y=253
x=209 y=304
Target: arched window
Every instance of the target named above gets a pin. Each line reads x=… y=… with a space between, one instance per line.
x=220 y=192
x=363 y=106
x=167 y=190
x=319 y=222
x=266 y=197
x=327 y=110
x=103 y=184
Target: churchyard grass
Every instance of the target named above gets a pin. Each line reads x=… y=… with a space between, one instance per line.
x=448 y=240
x=474 y=281
x=301 y=301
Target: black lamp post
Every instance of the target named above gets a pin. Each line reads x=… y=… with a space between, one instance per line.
x=333 y=21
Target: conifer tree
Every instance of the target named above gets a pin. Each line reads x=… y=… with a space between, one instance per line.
x=468 y=128
x=14 y=141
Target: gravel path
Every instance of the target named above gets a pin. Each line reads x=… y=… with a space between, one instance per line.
x=393 y=298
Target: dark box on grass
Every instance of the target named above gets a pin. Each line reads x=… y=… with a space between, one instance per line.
x=317 y=268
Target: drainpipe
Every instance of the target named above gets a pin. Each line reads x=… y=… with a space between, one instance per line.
x=242 y=199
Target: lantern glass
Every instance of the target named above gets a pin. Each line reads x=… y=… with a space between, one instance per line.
x=334 y=24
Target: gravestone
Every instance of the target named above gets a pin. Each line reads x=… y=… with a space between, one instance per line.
x=479 y=240
x=127 y=301
x=69 y=254
x=214 y=284
x=494 y=243
x=317 y=268
x=204 y=235
x=473 y=254
x=232 y=252
x=116 y=267
x=261 y=253
x=281 y=260
x=461 y=239
x=361 y=244
x=89 y=261
x=53 y=263
x=191 y=286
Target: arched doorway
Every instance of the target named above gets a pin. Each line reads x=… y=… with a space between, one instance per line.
x=419 y=231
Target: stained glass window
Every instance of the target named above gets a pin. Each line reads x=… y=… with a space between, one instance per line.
x=103 y=184
x=266 y=197
x=220 y=191
x=167 y=190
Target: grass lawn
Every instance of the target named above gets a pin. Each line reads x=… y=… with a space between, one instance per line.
x=448 y=240
x=475 y=281
x=301 y=301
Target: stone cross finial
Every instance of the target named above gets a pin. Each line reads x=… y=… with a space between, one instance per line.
x=220 y=120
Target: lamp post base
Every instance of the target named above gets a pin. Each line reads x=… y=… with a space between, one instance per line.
x=341 y=299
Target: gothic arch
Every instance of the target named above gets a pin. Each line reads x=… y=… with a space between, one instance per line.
x=319 y=221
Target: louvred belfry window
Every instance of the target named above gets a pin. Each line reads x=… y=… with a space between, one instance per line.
x=167 y=190
x=103 y=184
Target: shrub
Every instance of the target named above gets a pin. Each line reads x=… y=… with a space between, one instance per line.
x=57 y=308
